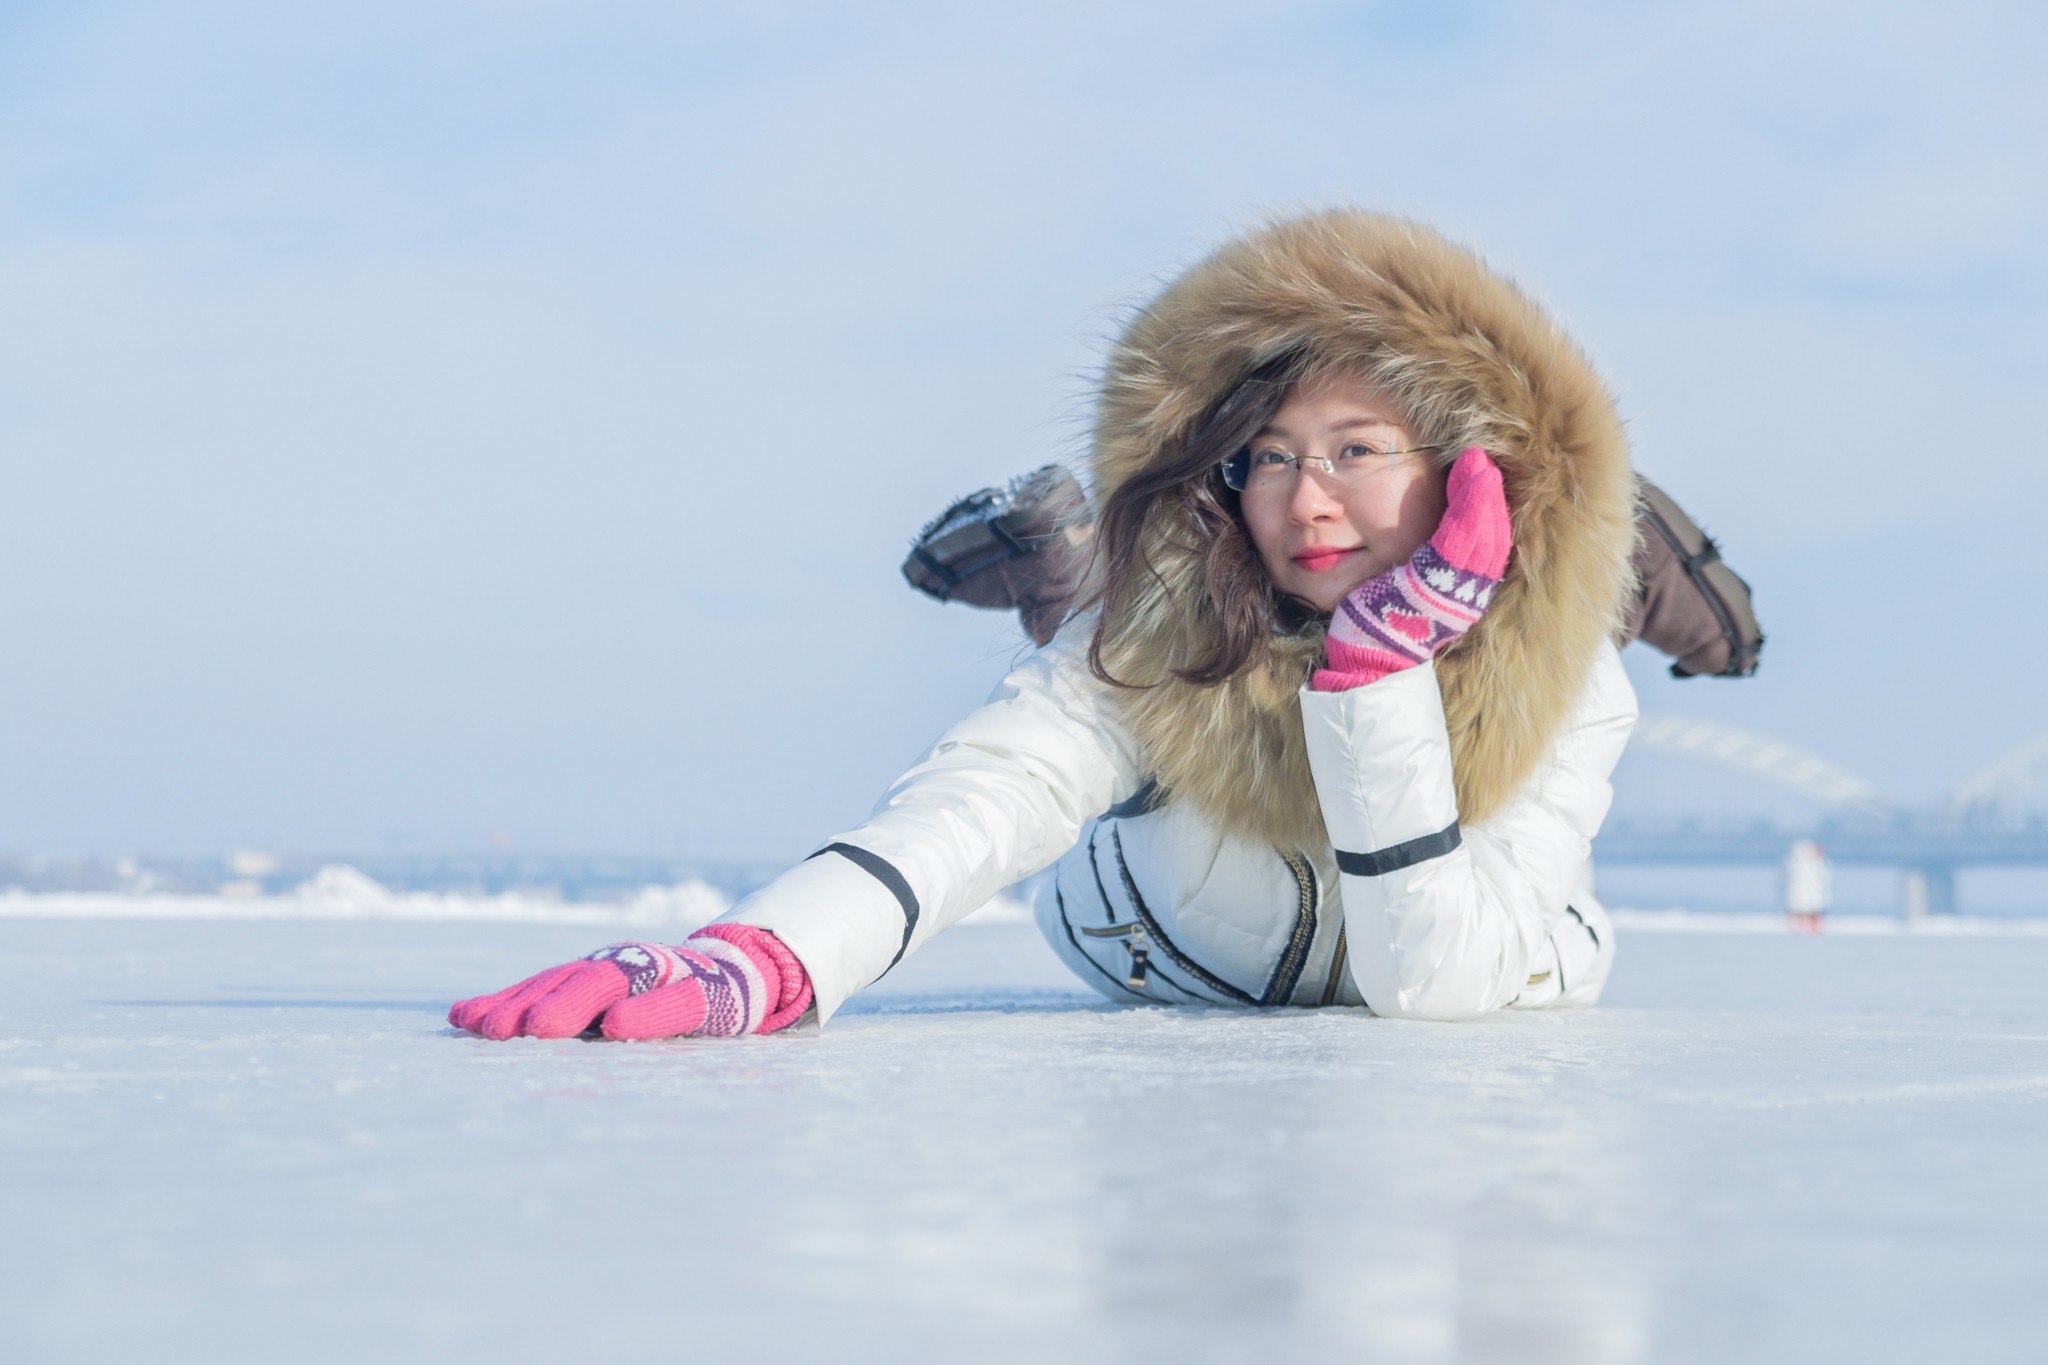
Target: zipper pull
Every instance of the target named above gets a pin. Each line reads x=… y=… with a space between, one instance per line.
x=1141 y=956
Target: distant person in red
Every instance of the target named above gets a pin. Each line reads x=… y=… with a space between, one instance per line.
x=1329 y=719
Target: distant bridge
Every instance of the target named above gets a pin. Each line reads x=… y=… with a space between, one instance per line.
x=1863 y=827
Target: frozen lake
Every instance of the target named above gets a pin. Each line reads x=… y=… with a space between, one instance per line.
x=258 y=1141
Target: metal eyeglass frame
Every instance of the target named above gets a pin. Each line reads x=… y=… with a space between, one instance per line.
x=1242 y=463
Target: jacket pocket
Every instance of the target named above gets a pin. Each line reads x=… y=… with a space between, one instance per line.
x=1571 y=966
x=1113 y=951
x=1109 y=925
x=1107 y=919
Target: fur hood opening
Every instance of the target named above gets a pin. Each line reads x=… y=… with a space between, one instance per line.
x=1472 y=361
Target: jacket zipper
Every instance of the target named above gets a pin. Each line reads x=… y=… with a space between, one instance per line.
x=1287 y=971
x=1336 y=981
x=1066 y=921
x=1140 y=936
x=1150 y=925
x=1133 y=936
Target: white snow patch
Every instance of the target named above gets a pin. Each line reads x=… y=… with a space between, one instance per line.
x=339 y=892
x=1716 y=922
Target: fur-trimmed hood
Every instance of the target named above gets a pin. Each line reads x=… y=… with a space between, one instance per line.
x=1472 y=361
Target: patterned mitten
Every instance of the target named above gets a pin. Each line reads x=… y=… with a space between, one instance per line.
x=727 y=979
x=743 y=981
x=1409 y=613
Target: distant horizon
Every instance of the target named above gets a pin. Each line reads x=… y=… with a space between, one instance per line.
x=591 y=877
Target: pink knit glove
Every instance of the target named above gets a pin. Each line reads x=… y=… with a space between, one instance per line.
x=727 y=979
x=1409 y=613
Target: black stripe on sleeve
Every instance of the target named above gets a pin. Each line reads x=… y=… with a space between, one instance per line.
x=883 y=871
x=1383 y=861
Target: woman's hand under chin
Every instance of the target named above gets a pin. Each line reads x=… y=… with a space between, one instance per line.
x=1408 y=614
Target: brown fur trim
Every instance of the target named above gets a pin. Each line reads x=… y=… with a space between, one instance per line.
x=1472 y=361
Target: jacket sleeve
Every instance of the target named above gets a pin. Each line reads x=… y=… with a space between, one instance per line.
x=1002 y=795
x=1444 y=921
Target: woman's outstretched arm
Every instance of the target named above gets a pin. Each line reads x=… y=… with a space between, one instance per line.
x=1002 y=795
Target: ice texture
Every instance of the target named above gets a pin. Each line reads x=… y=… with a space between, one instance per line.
x=258 y=1141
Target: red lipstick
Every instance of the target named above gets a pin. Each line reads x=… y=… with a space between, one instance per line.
x=1321 y=558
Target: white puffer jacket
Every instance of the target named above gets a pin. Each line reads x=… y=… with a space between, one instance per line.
x=1410 y=913
x=1309 y=848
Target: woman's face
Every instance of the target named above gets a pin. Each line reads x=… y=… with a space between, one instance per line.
x=1321 y=534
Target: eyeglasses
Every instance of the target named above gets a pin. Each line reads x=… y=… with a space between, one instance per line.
x=1251 y=471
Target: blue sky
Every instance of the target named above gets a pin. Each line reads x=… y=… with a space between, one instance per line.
x=433 y=420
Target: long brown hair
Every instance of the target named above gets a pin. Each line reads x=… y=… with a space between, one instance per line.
x=1238 y=594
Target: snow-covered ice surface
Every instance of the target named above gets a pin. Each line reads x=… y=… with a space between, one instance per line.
x=257 y=1141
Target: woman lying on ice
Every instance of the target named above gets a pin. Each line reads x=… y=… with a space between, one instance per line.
x=1333 y=724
